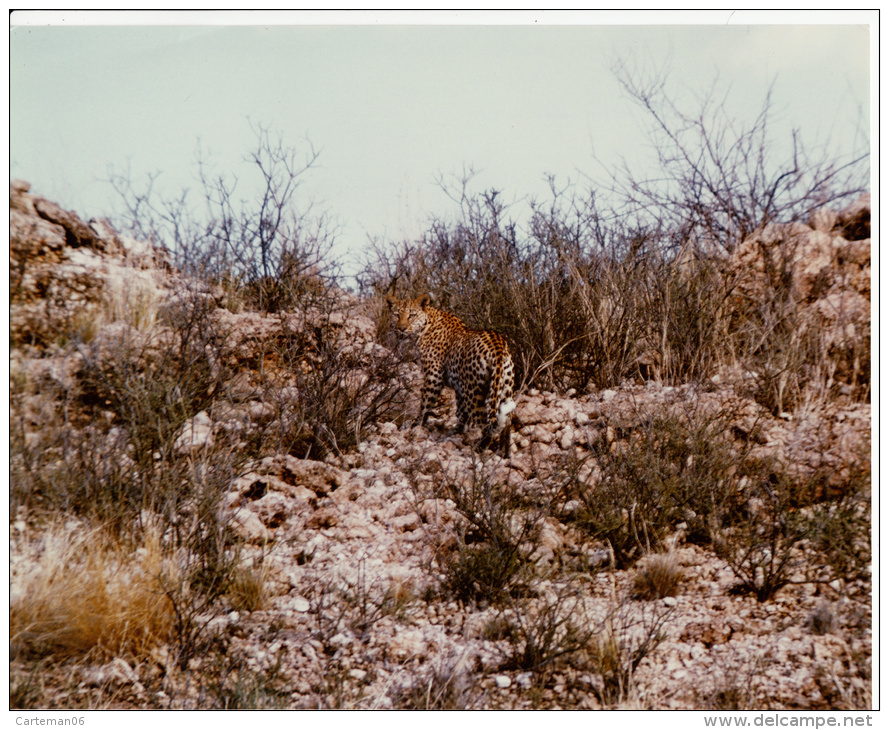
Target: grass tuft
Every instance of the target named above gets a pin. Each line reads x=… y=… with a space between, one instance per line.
x=86 y=594
x=657 y=576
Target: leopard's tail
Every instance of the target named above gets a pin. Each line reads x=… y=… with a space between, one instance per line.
x=493 y=392
x=506 y=407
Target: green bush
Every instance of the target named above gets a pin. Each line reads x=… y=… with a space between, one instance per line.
x=799 y=534
x=655 y=474
x=490 y=561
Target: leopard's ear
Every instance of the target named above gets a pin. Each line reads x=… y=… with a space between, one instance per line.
x=424 y=301
x=391 y=301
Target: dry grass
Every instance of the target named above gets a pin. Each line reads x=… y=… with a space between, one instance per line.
x=77 y=593
x=657 y=576
x=249 y=588
x=134 y=301
x=126 y=298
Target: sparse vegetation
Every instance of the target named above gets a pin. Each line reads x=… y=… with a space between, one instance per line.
x=657 y=471
x=646 y=278
x=217 y=499
x=448 y=687
x=786 y=539
x=546 y=630
x=266 y=251
x=342 y=391
x=248 y=590
x=624 y=640
x=491 y=557
x=238 y=688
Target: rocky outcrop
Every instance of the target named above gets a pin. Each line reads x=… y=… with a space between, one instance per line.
x=66 y=276
x=813 y=262
x=352 y=546
x=815 y=281
x=377 y=522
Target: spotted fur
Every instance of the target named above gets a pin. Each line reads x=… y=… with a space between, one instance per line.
x=475 y=363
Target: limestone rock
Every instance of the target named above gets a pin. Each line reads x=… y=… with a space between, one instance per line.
x=196 y=434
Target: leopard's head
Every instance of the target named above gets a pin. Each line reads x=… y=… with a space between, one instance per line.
x=409 y=315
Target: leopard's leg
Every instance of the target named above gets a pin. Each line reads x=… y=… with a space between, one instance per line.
x=484 y=398
x=490 y=428
x=433 y=382
x=462 y=408
x=506 y=439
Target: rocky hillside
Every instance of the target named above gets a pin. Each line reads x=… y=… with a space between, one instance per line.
x=247 y=517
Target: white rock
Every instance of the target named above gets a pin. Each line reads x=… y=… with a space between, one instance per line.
x=502 y=681
x=407 y=644
x=116 y=673
x=248 y=525
x=260 y=412
x=195 y=434
x=341 y=639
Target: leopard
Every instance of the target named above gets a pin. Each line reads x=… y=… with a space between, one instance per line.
x=476 y=364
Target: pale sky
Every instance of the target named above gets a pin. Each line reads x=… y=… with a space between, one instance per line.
x=392 y=107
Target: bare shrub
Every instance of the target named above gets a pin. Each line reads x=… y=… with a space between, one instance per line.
x=633 y=278
x=796 y=352
x=719 y=180
x=785 y=539
x=205 y=554
x=583 y=303
x=115 y=457
x=736 y=688
x=629 y=633
x=546 y=630
x=343 y=387
x=234 y=686
x=258 y=243
x=369 y=601
x=448 y=687
x=841 y=531
x=487 y=273
x=152 y=385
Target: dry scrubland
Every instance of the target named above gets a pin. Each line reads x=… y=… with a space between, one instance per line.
x=218 y=498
